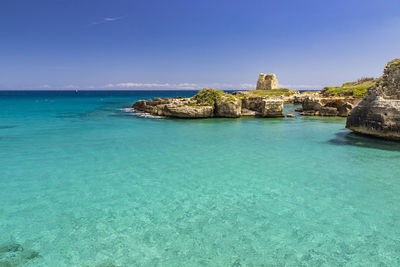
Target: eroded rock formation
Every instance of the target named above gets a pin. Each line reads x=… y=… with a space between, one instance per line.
x=378 y=114
x=211 y=103
x=328 y=106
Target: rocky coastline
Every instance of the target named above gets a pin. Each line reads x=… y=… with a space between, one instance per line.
x=211 y=103
x=371 y=106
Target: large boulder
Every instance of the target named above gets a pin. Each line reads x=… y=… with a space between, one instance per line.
x=228 y=109
x=345 y=109
x=188 y=111
x=272 y=108
x=328 y=106
x=253 y=103
x=328 y=111
x=378 y=114
x=311 y=104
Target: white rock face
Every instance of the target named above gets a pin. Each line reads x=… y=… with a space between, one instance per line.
x=267 y=82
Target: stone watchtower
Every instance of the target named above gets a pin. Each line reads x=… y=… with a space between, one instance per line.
x=267 y=82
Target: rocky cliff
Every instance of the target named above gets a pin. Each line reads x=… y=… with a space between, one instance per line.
x=378 y=114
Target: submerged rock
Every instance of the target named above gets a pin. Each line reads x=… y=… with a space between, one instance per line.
x=16 y=255
x=378 y=114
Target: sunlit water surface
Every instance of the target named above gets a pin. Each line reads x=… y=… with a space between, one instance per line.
x=86 y=182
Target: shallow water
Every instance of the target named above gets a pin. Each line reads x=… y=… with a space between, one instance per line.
x=85 y=182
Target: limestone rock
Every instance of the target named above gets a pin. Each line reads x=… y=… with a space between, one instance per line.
x=299 y=98
x=253 y=103
x=228 y=109
x=267 y=82
x=186 y=111
x=328 y=111
x=345 y=109
x=312 y=104
x=328 y=106
x=378 y=114
x=272 y=108
x=248 y=113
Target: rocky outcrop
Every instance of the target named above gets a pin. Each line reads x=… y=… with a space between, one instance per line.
x=228 y=109
x=272 y=108
x=328 y=106
x=211 y=103
x=378 y=114
x=299 y=98
x=267 y=82
x=263 y=107
x=187 y=111
x=253 y=103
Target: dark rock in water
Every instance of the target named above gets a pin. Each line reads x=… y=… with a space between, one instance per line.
x=345 y=109
x=312 y=104
x=328 y=106
x=328 y=111
x=378 y=114
x=7 y=126
x=16 y=255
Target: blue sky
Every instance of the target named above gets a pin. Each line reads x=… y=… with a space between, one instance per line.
x=113 y=44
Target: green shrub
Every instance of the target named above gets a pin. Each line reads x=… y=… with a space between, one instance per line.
x=394 y=64
x=356 y=89
x=212 y=96
x=273 y=92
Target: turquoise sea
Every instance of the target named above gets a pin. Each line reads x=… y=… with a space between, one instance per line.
x=86 y=182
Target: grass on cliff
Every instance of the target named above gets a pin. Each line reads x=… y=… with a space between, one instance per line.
x=212 y=96
x=272 y=93
x=356 y=89
x=394 y=64
x=196 y=104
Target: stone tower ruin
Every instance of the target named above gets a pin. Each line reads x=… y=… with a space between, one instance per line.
x=267 y=82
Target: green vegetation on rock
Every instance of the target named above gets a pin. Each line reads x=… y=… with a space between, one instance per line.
x=272 y=93
x=196 y=104
x=212 y=96
x=394 y=64
x=356 y=89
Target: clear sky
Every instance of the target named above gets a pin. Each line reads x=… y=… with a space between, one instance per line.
x=167 y=44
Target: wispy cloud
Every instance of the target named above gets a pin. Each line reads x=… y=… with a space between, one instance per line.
x=172 y=86
x=127 y=85
x=106 y=20
x=248 y=86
